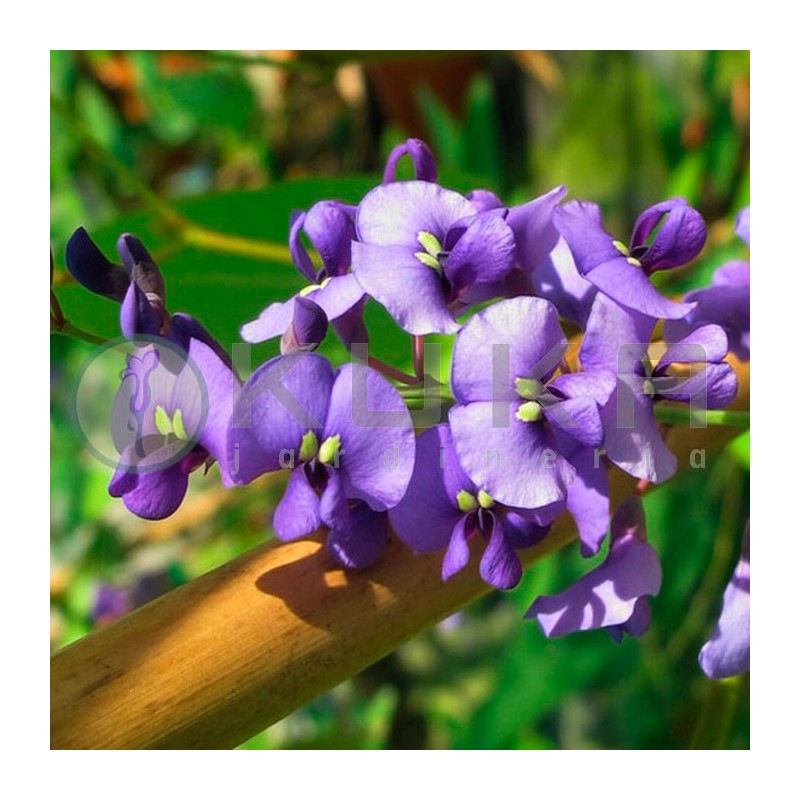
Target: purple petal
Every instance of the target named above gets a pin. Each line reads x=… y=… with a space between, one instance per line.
x=457 y=555
x=581 y=225
x=271 y=322
x=350 y=327
x=615 y=337
x=411 y=292
x=743 y=225
x=521 y=532
x=152 y=495
x=425 y=517
x=630 y=287
x=137 y=316
x=679 y=240
x=500 y=564
x=87 y=264
x=727 y=653
x=330 y=228
x=396 y=213
x=338 y=294
x=377 y=436
x=360 y=544
x=298 y=251
x=282 y=400
x=140 y=266
x=732 y=273
x=606 y=596
x=484 y=200
x=421 y=157
x=578 y=417
x=705 y=344
x=333 y=506
x=715 y=386
x=308 y=327
x=637 y=625
x=515 y=462
x=632 y=439
x=533 y=227
x=595 y=385
x=556 y=278
x=222 y=390
x=515 y=338
x=587 y=499
x=186 y=327
x=483 y=254
x=298 y=513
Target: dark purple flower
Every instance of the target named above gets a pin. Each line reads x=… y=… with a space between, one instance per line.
x=618 y=339
x=444 y=508
x=727 y=653
x=110 y=603
x=175 y=401
x=623 y=271
x=347 y=438
x=513 y=415
x=614 y=595
x=421 y=157
x=725 y=303
x=333 y=293
x=138 y=287
x=421 y=248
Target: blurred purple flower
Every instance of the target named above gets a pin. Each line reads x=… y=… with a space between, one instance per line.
x=727 y=653
x=615 y=594
x=444 y=508
x=347 y=438
x=623 y=271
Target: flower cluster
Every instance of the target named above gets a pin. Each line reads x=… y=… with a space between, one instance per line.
x=531 y=431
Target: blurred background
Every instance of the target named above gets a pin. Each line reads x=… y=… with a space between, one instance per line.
x=204 y=155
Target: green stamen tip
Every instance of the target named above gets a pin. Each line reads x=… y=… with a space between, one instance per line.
x=485 y=500
x=466 y=501
x=528 y=388
x=330 y=449
x=308 y=446
x=622 y=247
x=648 y=388
x=312 y=287
x=635 y=262
x=431 y=244
x=529 y=412
x=429 y=261
x=163 y=422
x=178 y=427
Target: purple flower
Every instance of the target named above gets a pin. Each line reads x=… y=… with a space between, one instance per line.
x=614 y=595
x=171 y=415
x=622 y=271
x=618 y=339
x=333 y=293
x=727 y=653
x=725 y=303
x=347 y=438
x=421 y=248
x=513 y=416
x=175 y=401
x=444 y=508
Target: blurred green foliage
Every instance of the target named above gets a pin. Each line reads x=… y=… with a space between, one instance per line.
x=235 y=144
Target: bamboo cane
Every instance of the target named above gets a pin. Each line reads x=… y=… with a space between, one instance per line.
x=215 y=661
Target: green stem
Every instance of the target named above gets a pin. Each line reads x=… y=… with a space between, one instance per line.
x=717 y=714
x=66 y=328
x=205 y=239
x=699 y=417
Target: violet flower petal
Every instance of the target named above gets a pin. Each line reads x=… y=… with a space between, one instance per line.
x=680 y=238
x=500 y=565
x=361 y=543
x=457 y=555
x=421 y=157
x=298 y=513
x=534 y=231
x=87 y=264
